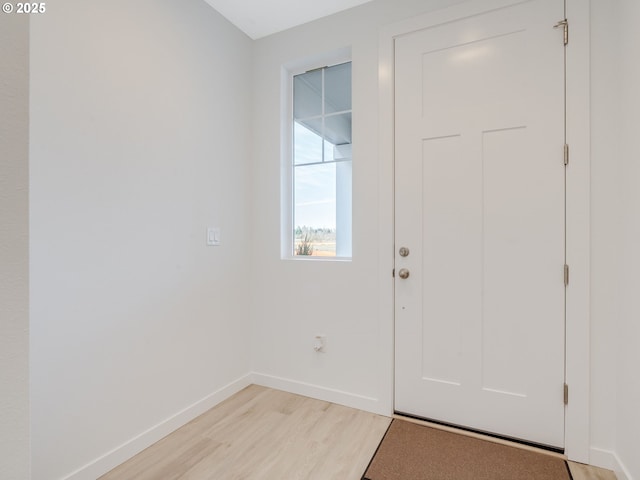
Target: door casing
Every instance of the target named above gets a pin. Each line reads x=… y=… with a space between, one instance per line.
x=577 y=441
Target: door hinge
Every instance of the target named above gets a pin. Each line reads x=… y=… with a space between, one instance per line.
x=566 y=154
x=566 y=275
x=566 y=394
x=565 y=26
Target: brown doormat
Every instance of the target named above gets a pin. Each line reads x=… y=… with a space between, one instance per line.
x=415 y=452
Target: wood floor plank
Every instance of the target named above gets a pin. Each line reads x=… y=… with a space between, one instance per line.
x=266 y=434
x=262 y=434
x=580 y=471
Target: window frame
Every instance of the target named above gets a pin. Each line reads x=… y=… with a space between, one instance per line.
x=287 y=200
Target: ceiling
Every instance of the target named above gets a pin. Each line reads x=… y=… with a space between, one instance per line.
x=259 y=18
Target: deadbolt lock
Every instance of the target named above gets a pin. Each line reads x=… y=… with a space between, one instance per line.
x=404 y=252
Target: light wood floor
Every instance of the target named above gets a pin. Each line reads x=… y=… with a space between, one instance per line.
x=261 y=433
x=586 y=472
x=265 y=434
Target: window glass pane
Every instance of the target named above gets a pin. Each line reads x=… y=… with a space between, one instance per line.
x=313 y=124
x=328 y=151
x=307 y=145
x=307 y=94
x=337 y=128
x=337 y=86
x=315 y=210
x=322 y=163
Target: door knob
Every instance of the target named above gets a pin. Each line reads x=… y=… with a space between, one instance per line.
x=403 y=273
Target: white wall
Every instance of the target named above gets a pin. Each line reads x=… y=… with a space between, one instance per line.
x=605 y=220
x=615 y=122
x=140 y=117
x=14 y=255
x=628 y=335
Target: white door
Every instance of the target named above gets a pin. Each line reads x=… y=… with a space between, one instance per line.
x=480 y=208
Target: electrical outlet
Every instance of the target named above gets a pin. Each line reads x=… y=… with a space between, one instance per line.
x=320 y=344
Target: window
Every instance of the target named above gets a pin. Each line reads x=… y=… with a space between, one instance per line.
x=321 y=163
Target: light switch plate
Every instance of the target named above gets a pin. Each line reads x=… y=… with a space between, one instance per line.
x=213 y=236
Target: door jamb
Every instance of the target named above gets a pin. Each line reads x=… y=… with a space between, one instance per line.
x=577 y=418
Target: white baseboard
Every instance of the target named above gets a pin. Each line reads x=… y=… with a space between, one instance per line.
x=134 y=446
x=368 y=404
x=609 y=460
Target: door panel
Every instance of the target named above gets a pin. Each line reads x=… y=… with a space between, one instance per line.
x=480 y=205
